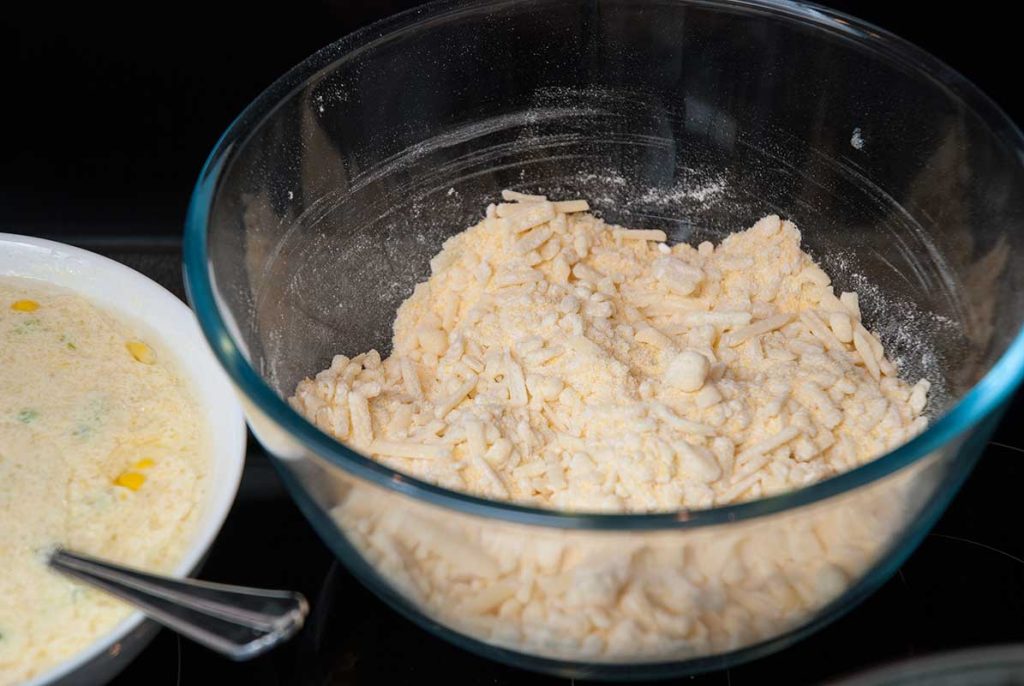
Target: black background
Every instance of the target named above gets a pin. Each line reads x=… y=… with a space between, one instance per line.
x=111 y=112
x=108 y=115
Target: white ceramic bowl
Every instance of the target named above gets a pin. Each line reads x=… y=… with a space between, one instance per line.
x=147 y=305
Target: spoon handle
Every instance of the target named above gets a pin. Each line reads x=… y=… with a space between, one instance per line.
x=238 y=622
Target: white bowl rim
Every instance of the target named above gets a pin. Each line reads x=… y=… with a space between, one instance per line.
x=221 y=495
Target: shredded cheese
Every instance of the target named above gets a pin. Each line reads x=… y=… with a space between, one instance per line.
x=630 y=346
x=555 y=361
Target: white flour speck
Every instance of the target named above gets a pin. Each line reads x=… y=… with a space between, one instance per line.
x=700 y=193
x=857 y=139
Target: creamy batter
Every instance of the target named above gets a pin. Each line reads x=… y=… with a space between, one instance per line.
x=102 y=450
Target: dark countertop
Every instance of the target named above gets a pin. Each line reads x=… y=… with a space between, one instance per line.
x=963 y=587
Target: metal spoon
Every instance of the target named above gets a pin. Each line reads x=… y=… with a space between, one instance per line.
x=238 y=622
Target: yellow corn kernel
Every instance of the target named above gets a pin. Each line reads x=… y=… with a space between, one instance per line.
x=24 y=306
x=141 y=352
x=144 y=463
x=130 y=480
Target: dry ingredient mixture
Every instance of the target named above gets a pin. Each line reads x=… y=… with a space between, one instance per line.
x=101 y=450
x=555 y=360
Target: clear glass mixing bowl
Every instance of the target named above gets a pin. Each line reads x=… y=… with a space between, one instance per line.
x=320 y=207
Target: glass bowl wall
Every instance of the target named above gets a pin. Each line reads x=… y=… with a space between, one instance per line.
x=320 y=208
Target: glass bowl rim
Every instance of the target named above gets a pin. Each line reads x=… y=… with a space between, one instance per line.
x=982 y=399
